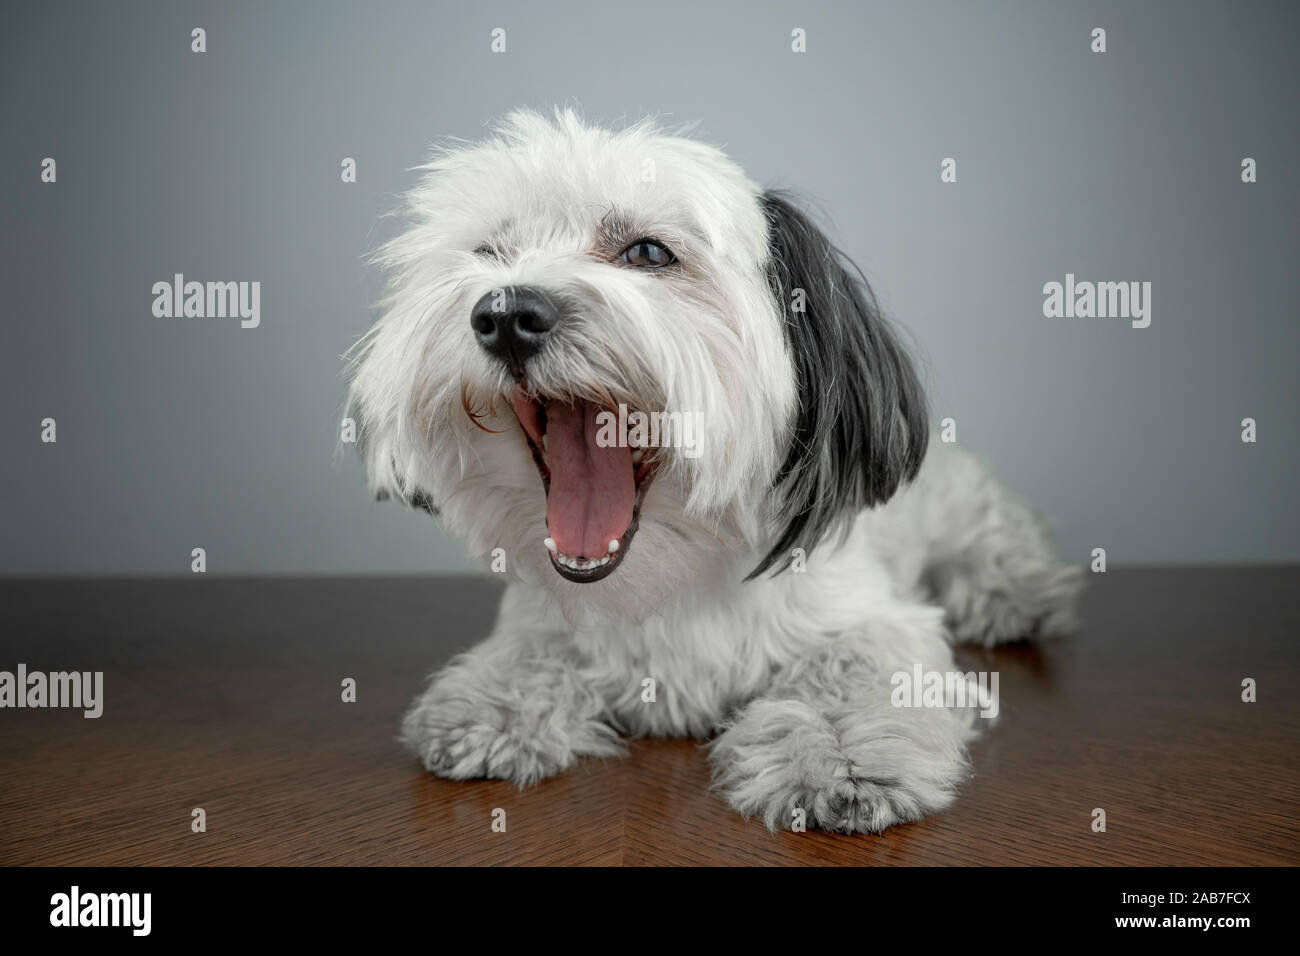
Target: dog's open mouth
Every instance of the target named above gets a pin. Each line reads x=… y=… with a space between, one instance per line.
x=594 y=487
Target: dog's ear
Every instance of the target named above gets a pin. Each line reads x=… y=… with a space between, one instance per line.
x=382 y=472
x=860 y=429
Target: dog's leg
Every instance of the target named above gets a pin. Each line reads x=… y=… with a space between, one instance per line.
x=517 y=707
x=988 y=560
x=827 y=739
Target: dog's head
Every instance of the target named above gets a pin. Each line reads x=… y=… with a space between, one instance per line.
x=615 y=358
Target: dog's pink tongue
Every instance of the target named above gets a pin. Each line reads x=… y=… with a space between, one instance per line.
x=592 y=490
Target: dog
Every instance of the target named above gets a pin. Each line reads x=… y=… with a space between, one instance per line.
x=559 y=285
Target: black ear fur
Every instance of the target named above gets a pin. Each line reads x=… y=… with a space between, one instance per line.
x=861 y=427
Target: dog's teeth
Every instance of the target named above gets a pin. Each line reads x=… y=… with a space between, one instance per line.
x=546 y=439
x=580 y=563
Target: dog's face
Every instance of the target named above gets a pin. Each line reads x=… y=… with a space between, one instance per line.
x=612 y=357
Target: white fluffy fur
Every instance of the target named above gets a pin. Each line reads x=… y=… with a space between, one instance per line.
x=790 y=671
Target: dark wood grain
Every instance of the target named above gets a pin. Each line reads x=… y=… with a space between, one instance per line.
x=224 y=694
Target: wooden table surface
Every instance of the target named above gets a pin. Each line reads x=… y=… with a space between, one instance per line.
x=224 y=693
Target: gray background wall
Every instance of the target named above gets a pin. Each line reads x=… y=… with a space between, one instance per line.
x=225 y=166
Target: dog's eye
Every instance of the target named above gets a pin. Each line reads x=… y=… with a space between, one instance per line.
x=485 y=250
x=647 y=254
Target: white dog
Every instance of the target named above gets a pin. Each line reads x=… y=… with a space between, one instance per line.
x=561 y=289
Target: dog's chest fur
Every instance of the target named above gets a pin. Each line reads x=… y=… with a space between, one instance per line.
x=684 y=671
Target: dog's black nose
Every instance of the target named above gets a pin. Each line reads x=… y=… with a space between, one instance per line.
x=513 y=323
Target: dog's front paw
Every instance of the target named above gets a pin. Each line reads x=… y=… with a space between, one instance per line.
x=465 y=742
x=463 y=730
x=849 y=770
